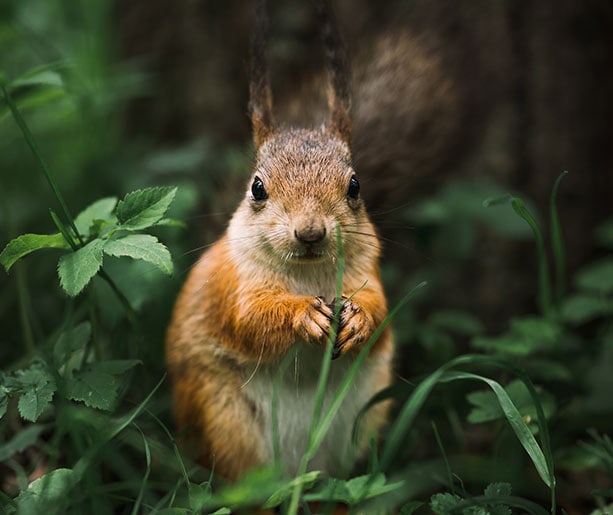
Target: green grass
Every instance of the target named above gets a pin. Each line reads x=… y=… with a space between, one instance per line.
x=484 y=422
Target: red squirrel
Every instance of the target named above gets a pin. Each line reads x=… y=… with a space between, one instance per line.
x=267 y=288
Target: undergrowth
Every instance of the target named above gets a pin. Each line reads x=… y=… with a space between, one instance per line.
x=485 y=423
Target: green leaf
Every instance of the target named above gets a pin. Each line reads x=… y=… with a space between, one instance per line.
x=70 y=341
x=143 y=208
x=76 y=269
x=306 y=480
x=581 y=308
x=527 y=335
x=352 y=491
x=94 y=388
x=253 y=489
x=37 y=387
x=27 y=243
x=498 y=489
x=516 y=421
x=4 y=401
x=33 y=402
x=410 y=507
x=444 y=503
x=141 y=246
x=25 y=438
x=486 y=406
x=100 y=210
x=597 y=277
x=50 y=494
x=199 y=496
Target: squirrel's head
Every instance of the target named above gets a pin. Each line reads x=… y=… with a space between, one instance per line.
x=303 y=184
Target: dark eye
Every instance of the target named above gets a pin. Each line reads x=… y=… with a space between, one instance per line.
x=257 y=189
x=353 y=191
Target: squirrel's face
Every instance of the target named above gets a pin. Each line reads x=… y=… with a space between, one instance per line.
x=302 y=186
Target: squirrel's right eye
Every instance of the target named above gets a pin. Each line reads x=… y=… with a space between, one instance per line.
x=257 y=189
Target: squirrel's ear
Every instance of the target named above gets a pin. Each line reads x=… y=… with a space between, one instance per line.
x=337 y=64
x=260 y=96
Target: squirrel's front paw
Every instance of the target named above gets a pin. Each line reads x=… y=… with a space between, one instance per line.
x=356 y=326
x=314 y=323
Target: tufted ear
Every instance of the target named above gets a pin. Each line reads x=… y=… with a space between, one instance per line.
x=260 y=96
x=337 y=65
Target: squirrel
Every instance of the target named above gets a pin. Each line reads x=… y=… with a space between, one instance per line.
x=267 y=289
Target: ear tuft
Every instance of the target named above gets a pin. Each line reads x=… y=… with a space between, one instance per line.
x=260 y=96
x=337 y=64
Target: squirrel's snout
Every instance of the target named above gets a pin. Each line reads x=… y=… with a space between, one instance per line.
x=310 y=233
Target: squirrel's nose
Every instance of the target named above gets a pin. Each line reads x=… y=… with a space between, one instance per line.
x=310 y=234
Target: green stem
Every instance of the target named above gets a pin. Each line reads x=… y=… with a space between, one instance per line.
x=544 y=291
x=557 y=241
x=39 y=157
x=122 y=298
x=24 y=302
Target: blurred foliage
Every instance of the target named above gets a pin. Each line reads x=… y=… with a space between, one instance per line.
x=83 y=399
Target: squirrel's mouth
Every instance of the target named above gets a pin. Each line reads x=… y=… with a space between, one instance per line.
x=309 y=254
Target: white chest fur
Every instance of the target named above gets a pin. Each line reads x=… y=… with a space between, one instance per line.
x=296 y=393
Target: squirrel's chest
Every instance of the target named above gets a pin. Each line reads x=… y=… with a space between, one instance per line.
x=284 y=410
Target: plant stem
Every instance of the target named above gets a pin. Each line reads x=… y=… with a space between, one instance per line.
x=39 y=157
x=24 y=302
x=557 y=241
x=544 y=290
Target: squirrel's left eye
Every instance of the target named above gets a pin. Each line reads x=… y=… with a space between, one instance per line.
x=257 y=189
x=353 y=191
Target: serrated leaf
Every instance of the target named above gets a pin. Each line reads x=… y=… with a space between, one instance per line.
x=70 y=341
x=27 y=243
x=36 y=398
x=76 y=269
x=498 y=489
x=94 y=388
x=100 y=210
x=443 y=503
x=49 y=494
x=597 y=277
x=143 y=208
x=23 y=439
x=141 y=246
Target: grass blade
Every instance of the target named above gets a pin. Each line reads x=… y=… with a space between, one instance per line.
x=544 y=291
x=557 y=241
x=519 y=426
x=141 y=492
